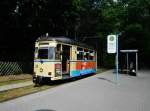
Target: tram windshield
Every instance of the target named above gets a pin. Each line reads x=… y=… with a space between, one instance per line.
x=43 y=54
x=46 y=53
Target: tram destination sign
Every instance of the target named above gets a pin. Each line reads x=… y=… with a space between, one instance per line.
x=111 y=44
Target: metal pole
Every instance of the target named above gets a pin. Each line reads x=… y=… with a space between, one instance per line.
x=117 y=76
x=136 y=63
x=96 y=59
x=127 y=63
x=75 y=36
x=96 y=55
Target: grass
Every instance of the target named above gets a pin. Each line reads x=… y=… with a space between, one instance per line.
x=15 y=77
x=14 y=93
x=12 y=79
x=13 y=82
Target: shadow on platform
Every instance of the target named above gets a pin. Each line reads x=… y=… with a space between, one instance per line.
x=45 y=110
x=101 y=78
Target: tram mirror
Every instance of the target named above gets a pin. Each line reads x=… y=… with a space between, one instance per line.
x=36 y=53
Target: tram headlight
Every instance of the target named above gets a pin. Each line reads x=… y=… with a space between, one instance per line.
x=41 y=69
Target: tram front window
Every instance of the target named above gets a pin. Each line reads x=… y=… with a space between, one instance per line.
x=48 y=53
x=43 y=53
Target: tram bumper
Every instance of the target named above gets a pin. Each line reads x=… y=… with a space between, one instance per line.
x=40 y=79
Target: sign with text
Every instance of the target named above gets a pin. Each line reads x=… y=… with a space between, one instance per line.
x=111 y=44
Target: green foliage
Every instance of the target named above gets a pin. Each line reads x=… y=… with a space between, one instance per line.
x=25 y=20
x=133 y=37
x=131 y=17
x=109 y=61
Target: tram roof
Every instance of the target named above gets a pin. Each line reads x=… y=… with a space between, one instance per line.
x=129 y=51
x=64 y=40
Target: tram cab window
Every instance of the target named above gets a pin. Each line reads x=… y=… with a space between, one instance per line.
x=58 y=52
x=46 y=53
x=51 y=54
x=43 y=53
x=79 y=54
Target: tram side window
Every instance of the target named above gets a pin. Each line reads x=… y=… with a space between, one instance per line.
x=43 y=54
x=91 y=55
x=79 y=54
x=58 y=52
x=86 y=54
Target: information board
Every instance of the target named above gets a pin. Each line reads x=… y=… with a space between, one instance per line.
x=111 y=44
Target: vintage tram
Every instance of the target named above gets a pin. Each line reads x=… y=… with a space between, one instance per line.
x=59 y=58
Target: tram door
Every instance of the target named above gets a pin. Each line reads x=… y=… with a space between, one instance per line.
x=65 y=59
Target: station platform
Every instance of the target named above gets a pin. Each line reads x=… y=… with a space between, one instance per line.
x=100 y=92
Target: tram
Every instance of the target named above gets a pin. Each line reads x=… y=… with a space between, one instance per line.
x=59 y=58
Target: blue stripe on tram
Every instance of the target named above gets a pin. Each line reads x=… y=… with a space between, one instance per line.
x=76 y=73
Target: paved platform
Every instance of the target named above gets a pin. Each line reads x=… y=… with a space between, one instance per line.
x=100 y=92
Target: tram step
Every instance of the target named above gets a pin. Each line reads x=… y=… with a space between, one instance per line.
x=65 y=76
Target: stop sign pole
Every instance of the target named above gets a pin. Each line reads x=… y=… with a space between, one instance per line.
x=117 y=62
x=112 y=47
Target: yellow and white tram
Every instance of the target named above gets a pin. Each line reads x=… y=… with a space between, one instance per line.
x=59 y=58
